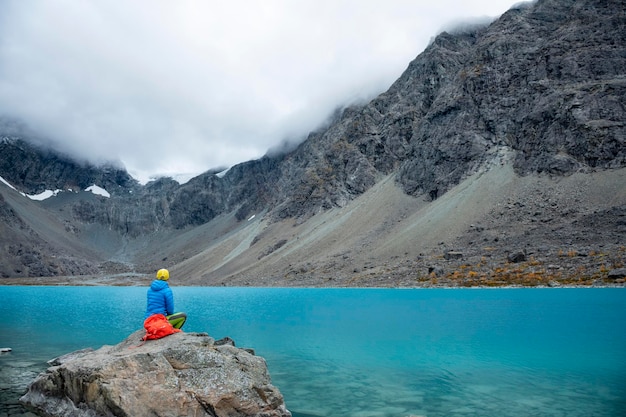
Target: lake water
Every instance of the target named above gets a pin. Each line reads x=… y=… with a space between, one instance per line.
x=364 y=352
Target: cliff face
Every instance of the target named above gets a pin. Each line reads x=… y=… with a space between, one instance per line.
x=542 y=88
x=544 y=81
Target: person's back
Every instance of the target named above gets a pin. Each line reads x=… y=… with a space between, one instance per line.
x=160 y=300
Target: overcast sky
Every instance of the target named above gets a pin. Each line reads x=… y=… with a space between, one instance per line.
x=173 y=87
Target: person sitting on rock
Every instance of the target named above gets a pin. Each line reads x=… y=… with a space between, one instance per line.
x=161 y=300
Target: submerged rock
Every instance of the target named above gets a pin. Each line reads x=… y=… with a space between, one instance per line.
x=185 y=374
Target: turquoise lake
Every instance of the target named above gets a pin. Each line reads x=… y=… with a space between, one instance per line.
x=365 y=352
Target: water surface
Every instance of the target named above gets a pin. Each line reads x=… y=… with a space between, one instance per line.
x=367 y=352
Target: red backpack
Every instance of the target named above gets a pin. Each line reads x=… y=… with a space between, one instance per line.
x=157 y=326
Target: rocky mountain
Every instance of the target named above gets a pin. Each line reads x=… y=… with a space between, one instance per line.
x=500 y=148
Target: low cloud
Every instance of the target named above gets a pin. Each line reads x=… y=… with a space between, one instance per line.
x=172 y=88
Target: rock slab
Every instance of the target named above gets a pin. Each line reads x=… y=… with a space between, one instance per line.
x=185 y=374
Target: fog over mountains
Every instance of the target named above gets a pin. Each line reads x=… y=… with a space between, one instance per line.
x=498 y=157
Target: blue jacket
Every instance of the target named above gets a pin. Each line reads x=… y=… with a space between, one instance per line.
x=160 y=299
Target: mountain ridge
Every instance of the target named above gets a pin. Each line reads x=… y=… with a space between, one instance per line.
x=535 y=96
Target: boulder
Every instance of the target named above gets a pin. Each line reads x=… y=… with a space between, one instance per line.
x=436 y=270
x=185 y=374
x=517 y=256
x=617 y=273
x=453 y=255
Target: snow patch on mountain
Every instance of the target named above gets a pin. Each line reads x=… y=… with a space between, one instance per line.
x=53 y=193
x=98 y=191
x=43 y=195
x=7 y=183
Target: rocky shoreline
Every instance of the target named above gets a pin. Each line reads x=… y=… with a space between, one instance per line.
x=485 y=268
